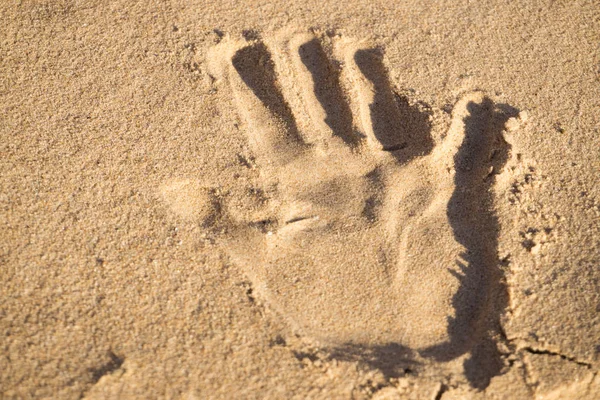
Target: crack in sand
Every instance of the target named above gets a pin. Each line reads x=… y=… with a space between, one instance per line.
x=565 y=357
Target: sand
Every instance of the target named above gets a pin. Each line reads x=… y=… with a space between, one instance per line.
x=300 y=200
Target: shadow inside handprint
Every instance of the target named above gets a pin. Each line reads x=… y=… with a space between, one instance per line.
x=256 y=68
x=482 y=296
x=392 y=359
x=396 y=124
x=328 y=91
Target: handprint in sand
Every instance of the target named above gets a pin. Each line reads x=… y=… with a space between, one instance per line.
x=373 y=234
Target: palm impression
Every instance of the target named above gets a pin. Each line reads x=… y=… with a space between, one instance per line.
x=373 y=234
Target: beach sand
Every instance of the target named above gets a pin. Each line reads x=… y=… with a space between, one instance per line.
x=329 y=200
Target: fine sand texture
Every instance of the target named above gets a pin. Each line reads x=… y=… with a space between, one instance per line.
x=325 y=200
